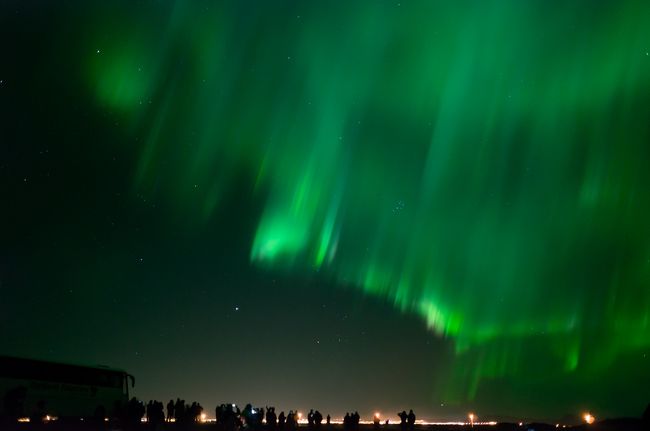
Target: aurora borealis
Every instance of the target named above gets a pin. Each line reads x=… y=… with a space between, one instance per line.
x=478 y=169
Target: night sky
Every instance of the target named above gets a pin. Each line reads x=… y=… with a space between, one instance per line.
x=372 y=205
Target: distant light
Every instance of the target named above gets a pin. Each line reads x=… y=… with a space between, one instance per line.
x=424 y=422
x=299 y=415
x=589 y=418
x=203 y=416
x=521 y=424
x=377 y=415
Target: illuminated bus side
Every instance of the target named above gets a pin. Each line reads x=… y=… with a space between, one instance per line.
x=31 y=387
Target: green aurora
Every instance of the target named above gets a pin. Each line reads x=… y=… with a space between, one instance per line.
x=481 y=164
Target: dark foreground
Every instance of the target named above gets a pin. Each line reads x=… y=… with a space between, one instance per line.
x=626 y=424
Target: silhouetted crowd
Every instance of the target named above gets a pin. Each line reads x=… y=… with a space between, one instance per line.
x=407 y=421
x=229 y=417
x=351 y=421
x=154 y=412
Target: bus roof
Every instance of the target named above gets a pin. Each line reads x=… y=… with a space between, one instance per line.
x=4 y=358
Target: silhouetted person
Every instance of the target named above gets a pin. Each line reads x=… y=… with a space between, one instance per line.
x=179 y=410
x=155 y=414
x=149 y=410
x=375 y=421
x=274 y=417
x=231 y=418
x=170 y=410
x=134 y=412
x=329 y=419
x=196 y=411
x=271 y=418
x=318 y=418
x=247 y=415
x=411 y=420
x=140 y=412
x=402 y=419
x=260 y=417
x=310 y=419
x=282 y=419
x=290 y=421
x=218 y=414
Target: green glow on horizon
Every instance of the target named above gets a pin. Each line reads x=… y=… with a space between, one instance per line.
x=482 y=165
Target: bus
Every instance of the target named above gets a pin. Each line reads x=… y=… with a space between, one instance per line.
x=36 y=388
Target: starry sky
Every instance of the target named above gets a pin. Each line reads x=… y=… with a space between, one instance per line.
x=371 y=205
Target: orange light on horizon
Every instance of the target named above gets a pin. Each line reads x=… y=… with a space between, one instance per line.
x=377 y=415
x=589 y=418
